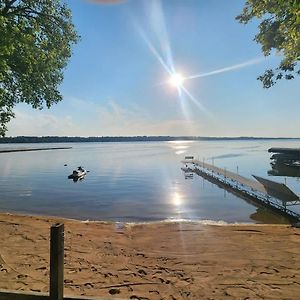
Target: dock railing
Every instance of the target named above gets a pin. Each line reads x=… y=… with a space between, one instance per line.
x=241 y=185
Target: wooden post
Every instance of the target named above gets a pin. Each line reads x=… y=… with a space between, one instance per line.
x=57 y=262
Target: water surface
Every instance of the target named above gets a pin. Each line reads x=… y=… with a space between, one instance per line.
x=137 y=181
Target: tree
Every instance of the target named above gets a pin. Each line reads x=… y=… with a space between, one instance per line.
x=279 y=30
x=35 y=45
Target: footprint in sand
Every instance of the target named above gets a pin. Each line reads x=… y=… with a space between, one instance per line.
x=66 y=281
x=114 y=291
x=140 y=254
x=154 y=292
x=94 y=269
x=134 y=297
x=142 y=272
x=166 y=281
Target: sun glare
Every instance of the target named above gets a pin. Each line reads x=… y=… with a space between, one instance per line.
x=177 y=201
x=176 y=80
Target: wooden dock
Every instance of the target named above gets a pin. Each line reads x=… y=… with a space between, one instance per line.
x=230 y=175
x=242 y=186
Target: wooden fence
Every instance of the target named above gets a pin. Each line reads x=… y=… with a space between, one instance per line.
x=56 y=287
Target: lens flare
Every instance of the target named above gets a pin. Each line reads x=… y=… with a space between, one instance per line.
x=176 y=80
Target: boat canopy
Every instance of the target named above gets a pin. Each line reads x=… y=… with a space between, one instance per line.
x=277 y=190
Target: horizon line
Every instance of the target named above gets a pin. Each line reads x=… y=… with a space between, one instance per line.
x=147 y=136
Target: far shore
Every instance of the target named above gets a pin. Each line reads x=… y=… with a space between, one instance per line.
x=154 y=261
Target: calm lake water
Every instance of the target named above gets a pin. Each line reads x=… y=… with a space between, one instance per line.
x=135 y=182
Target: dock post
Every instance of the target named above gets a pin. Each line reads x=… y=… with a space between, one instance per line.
x=57 y=262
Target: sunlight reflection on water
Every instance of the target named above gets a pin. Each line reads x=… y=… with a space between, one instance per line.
x=134 y=182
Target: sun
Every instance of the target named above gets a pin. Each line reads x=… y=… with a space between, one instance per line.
x=176 y=80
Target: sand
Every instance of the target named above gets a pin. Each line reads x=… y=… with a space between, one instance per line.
x=154 y=261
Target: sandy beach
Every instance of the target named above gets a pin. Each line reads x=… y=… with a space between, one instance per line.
x=154 y=261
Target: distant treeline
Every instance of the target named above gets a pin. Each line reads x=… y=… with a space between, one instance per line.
x=76 y=139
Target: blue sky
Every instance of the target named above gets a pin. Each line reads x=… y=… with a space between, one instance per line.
x=116 y=85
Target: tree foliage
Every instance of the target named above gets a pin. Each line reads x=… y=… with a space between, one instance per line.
x=35 y=45
x=279 y=30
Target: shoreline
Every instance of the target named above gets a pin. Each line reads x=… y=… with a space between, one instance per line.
x=204 y=222
x=182 y=260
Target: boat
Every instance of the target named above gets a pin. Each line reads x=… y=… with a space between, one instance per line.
x=282 y=169
x=294 y=164
x=77 y=174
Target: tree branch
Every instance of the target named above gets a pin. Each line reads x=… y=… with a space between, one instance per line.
x=7 y=7
x=39 y=13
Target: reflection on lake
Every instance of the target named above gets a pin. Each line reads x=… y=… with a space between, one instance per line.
x=280 y=169
x=135 y=181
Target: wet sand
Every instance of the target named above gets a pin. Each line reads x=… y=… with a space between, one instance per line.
x=154 y=261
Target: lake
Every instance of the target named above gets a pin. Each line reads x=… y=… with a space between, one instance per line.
x=136 y=181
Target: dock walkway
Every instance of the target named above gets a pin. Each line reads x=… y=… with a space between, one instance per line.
x=240 y=185
x=230 y=175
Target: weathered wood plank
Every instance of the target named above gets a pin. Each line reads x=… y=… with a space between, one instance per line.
x=21 y=295
x=57 y=262
x=24 y=295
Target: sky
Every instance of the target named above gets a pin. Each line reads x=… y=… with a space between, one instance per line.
x=118 y=80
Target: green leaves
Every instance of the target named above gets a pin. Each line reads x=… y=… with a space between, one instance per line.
x=35 y=45
x=279 y=31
